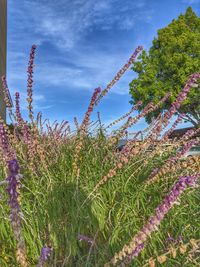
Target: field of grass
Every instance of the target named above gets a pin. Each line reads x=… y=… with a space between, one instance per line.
x=84 y=201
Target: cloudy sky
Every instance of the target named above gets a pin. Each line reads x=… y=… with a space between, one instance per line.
x=81 y=44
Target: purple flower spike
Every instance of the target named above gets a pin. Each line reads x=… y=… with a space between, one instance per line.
x=170 y=239
x=13 y=166
x=45 y=253
x=133 y=254
x=15 y=211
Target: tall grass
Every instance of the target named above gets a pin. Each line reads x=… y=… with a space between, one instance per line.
x=84 y=199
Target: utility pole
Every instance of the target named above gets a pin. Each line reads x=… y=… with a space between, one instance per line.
x=3 y=44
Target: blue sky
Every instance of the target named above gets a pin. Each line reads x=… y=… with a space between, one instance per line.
x=81 y=45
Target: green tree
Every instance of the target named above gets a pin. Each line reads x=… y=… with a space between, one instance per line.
x=174 y=55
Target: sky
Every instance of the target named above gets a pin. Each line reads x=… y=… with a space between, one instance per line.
x=81 y=45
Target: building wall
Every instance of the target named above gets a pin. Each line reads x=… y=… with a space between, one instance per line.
x=3 y=37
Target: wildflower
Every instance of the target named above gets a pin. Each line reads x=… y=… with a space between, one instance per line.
x=13 y=192
x=45 y=253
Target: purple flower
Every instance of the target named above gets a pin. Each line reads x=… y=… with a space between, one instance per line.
x=45 y=253
x=170 y=239
x=133 y=254
x=12 y=189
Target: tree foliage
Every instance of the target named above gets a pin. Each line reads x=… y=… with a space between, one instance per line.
x=174 y=55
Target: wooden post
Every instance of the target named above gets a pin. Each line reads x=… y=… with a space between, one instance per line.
x=3 y=44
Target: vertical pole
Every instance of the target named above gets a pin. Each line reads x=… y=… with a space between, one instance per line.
x=3 y=44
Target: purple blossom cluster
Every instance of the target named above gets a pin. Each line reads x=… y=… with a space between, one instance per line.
x=169 y=201
x=133 y=254
x=26 y=134
x=13 y=187
x=13 y=183
x=45 y=253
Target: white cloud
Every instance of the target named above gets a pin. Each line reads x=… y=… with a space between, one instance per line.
x=65 y=22
x=89 y=72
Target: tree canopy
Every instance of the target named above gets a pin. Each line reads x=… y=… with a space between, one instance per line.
x=173 y=57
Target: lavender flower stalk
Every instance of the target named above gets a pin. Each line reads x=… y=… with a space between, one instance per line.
x=86 y=119
x=18 y=112
x=177 y=121
x=13 y=191
x=76 y=123
x=45 y=253
x=120 y=73
x=125 y=115
x=181 y=97
x=7 y=152
x=6 y=94
x=175 y=105
x=30 y=81
x=154 y=221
